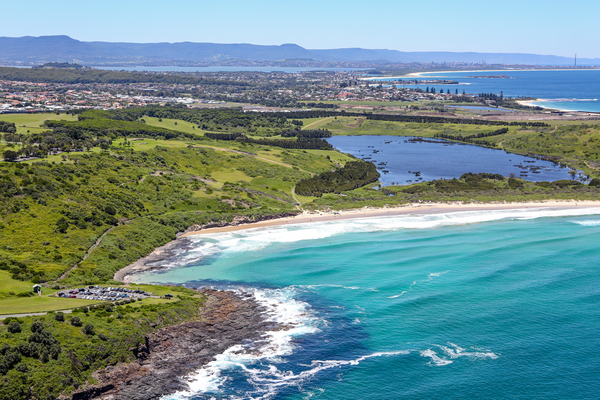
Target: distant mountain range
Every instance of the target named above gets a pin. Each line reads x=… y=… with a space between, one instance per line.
x=42 y=49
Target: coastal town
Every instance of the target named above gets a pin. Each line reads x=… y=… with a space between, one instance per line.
x=272 y=89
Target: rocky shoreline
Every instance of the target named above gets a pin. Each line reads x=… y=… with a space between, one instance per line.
x=167 y=356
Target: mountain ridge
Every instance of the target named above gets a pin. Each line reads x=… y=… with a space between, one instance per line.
x=62 y=48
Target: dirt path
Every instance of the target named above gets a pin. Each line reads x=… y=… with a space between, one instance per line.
x=577 y=136
x=87 y=254
x=321 y=121
x=294 y=196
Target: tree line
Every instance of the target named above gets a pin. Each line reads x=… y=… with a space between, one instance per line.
x=353 y=175
x=469 y=138
x=301 y=143
x=443 y=120
x=307 y=134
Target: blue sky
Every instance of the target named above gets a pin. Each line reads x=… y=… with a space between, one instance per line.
x=508 y=26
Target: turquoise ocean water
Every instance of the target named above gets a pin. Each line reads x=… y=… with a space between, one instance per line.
x=462 y=305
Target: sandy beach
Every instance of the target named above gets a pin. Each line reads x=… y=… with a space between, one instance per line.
x=167 y=250
x=530 y=103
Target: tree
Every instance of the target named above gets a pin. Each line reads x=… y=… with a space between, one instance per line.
x=456 y=91
x=10 y=155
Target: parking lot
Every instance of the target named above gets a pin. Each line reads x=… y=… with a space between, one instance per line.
x=104 y=293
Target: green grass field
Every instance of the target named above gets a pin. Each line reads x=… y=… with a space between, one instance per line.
x=33 y=122
x=7 y=284
x=9 y=304
x=40 y=304
x=174 y=124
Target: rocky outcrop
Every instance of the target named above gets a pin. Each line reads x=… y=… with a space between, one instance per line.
x=169 y=355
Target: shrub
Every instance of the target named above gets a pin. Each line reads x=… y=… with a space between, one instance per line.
x=76 y=321
x=21 y=367
x=88 y=329
x=595 y=182
x=60 y=317
x=37 y=326
x=14 y=327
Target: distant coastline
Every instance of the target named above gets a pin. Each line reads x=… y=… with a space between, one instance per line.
x=536 y=103
x=420 y=74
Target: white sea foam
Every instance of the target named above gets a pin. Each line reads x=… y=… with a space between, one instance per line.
x=227 y=243
x=258 y=361
x=269 y=382
x=429 y=277
x=435 y=359
x=453 y=351
x=456 y=351
x=293 y=317
x=588 y=222
x=329 y=286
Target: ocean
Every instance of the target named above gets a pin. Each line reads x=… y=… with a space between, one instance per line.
x=573 y=90
x=460 y=305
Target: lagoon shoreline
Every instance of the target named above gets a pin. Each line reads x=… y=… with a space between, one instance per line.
x=151 y=261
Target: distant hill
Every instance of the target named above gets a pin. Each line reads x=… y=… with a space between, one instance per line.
x=44 y=49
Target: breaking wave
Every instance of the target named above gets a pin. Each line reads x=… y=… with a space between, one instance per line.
x=229 y=243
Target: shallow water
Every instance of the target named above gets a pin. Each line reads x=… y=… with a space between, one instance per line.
x=482 y=304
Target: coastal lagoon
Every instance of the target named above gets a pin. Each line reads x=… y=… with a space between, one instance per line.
x=574 y=90
x=404 y=160
x=477 y=304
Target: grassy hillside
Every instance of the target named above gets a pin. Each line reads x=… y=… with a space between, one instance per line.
x=43 y=357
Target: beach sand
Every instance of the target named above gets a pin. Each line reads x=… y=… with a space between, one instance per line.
x=163 y=252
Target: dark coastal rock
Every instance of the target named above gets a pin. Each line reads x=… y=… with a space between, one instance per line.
x=171 y=353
